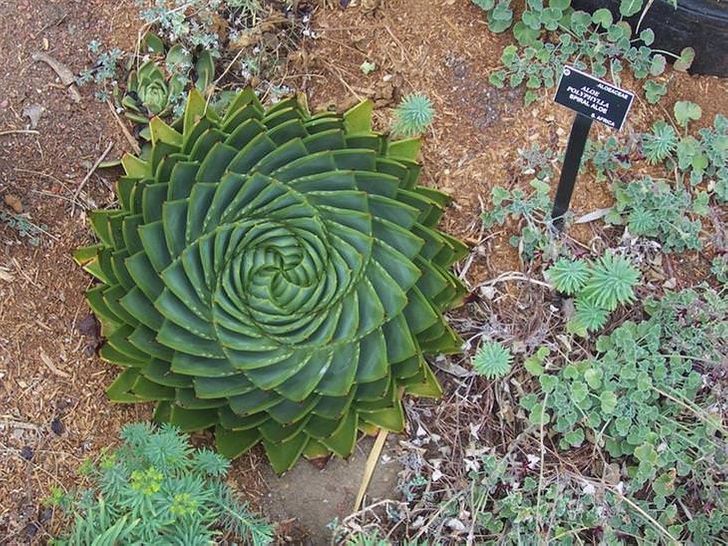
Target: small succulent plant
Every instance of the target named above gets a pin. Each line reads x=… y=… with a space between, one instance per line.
x=569 y=276
x=598 y=287
x=275 y=274
x=492 y=360
x=158 y=87
x=413 y=116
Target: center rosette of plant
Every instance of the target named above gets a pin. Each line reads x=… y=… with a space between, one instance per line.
x=275 y=274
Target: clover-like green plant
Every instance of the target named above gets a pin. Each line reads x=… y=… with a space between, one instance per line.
x=500 y=15
x=275 y=274
x=492 y=360
x=553 y=34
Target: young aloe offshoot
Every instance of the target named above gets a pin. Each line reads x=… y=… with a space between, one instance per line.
x=413 y=116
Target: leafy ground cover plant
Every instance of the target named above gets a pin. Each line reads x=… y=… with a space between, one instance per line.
x=104 y=71
x=530 y=210
x=156 y=489
x=184 y=42
x=644 y=400
x=554 y=34
x=698 y=159
x=618 y=442
x=275 y=274
x=598 y=287
x=24 y=227
x=656 y=209
x=719 y=268
x=608 y=157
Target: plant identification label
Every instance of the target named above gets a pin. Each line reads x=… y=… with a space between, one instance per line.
x=594 y=98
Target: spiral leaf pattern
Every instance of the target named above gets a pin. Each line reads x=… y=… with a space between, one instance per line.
x=274 y=274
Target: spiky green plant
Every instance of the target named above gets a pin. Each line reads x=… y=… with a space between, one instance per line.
x=413 y=116
x=588 y=315
x=492 y=360
x=569 y=276
x=156 y=489
x=612 y=281
x=274 y=274
x=660 y=143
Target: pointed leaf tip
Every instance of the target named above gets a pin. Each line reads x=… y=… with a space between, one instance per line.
x=405 y=149
x=135 y=167
x=359 y=118
x=161 y=132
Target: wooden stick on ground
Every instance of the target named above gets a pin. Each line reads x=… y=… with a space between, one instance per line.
x=372 y=461
x=129 y=138
x=91 y=171
x=19 y=132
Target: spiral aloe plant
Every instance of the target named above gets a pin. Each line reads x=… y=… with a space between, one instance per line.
x=276 y=275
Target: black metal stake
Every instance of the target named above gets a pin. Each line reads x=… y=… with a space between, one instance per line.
x=572 y=161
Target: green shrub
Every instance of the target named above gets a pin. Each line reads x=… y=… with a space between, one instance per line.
x=157 y=489
x=275 y=274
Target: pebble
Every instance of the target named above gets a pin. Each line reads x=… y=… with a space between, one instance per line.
x=57 y=426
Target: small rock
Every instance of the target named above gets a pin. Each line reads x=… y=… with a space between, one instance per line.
x=89 y=327
x=57 y=426
x=31 y=529
x=33 y=112
x=27 y=453
x=14 y=202
x=369 y=5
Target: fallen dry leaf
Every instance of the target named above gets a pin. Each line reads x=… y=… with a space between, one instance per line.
x=14 y=202
x=52 y=367
x=33 y=112
x=5 y=275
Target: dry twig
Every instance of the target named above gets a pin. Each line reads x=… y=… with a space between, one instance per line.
x=91 y=171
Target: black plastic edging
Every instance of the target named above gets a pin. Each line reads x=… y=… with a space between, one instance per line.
x=700 y=24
